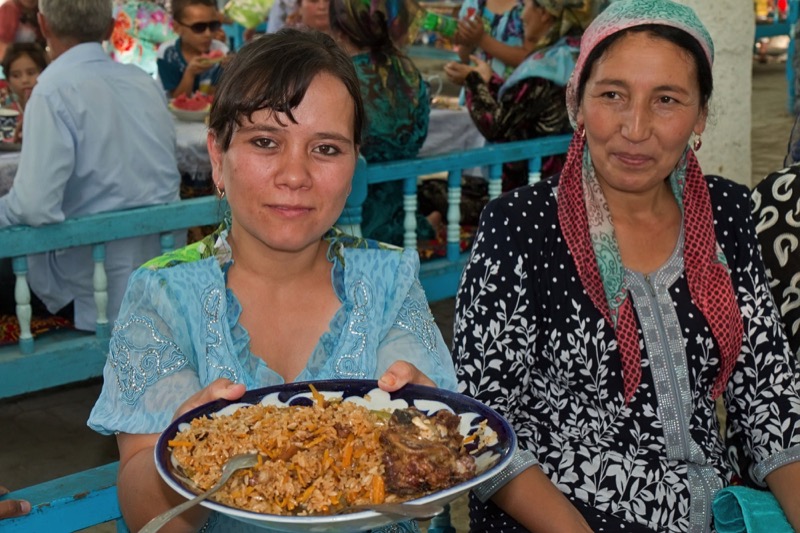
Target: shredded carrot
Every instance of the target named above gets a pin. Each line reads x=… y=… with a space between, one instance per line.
x=306 y=494
x=378 y=489
x=316 y=441
x=470 y=438
x=260 y=461
x=319 y=398
x=176 y=443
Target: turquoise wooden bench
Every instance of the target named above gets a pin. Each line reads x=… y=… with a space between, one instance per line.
x=64 y=357
x=89 y=498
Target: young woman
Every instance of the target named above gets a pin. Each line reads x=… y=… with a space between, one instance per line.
x=276 y=295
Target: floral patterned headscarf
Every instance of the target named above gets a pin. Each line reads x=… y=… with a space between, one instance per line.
x=382 y=27
x=571 y=17
x=589 y=231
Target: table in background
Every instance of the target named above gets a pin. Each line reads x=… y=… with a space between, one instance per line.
x=450 y=130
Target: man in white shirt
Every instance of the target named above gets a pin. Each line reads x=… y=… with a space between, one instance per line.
x=98 y=137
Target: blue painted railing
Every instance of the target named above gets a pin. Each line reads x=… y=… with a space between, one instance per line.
x=89 y=498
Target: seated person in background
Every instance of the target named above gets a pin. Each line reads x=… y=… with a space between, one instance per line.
x=18 y=23
x=183 y=66
x=279 y=13
x=313 y=14
x=531 y=102
x=277 y=294
x=604 y=311
x=396 y=99
x=22 y=65
x=103 y=141
x=776 y=208
x=492 y=30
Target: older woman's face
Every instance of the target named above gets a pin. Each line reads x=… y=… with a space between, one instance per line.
x=287 y=182
x=640 y=106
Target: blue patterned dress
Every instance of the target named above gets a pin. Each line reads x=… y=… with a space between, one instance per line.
x=178 y=330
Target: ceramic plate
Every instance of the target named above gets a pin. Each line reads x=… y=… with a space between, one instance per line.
x=189 y=116
x=491 y=460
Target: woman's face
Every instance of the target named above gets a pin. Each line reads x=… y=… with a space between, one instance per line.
x=640 y=106
x=287 y=183
x=22 y=76
x=315 y=14
x=536 y=21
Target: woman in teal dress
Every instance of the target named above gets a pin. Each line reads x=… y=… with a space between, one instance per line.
x=276 y=295
x=396 y=101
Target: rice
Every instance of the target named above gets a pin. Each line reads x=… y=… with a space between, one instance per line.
x=316 y=458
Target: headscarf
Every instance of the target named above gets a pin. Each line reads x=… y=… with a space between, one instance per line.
x=593 y=244
x=570 y=16
x=382 y=27
x=555 y=54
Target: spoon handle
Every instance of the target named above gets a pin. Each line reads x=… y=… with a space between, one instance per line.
x=158 y=522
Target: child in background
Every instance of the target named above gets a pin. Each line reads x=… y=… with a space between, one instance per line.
x=22 y=64
x=184 y=65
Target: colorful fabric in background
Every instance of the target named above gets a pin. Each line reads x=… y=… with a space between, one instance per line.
x=140 y=27
x=382 y=28
x=504 y=27
x=555 y=63
x=9 y=327
x=248 y=13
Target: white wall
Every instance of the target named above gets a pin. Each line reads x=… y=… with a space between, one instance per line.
x=726 y=143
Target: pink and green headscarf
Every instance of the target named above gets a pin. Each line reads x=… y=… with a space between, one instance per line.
x=589 y=231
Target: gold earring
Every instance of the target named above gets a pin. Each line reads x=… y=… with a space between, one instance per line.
x=582 y=131
x=698 y=143
x=220 y=192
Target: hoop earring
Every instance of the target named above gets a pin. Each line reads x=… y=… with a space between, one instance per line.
x=220 y=192
x=697 y=144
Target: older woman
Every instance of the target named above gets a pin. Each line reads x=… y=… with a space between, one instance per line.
x=531 y=101
x=605 y=311
x=276 y=295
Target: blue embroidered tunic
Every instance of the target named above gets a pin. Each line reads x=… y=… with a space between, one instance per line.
x=178 y=330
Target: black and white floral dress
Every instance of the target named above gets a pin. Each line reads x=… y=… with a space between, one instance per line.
x=776 y=209
x=529 y=342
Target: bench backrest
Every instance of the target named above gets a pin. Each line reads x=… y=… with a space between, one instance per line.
x=66 y=357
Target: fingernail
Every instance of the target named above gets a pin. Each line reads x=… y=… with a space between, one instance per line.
x=388 y=379
x=24 y=506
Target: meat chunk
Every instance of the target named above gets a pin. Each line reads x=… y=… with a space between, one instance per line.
x=424 y=454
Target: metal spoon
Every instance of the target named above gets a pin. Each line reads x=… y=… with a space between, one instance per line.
x=397 y=510
x=237 y=462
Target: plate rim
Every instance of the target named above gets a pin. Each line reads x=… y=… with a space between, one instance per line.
x=161 y=448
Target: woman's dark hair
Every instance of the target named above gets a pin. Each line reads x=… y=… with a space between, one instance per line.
x=274 y=72
x=17 y=50
x=676 y=36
